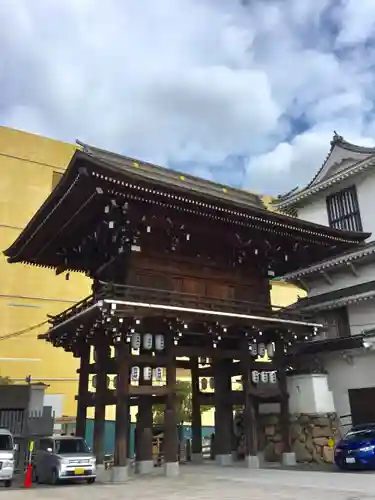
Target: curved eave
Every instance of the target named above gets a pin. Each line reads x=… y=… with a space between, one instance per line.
x=297 y=197
x=72 y=185
x=86 y=178
x=340 y=260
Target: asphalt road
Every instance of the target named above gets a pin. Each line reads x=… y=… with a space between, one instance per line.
x=208 y=482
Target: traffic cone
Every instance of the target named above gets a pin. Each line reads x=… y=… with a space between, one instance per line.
x=28 y=481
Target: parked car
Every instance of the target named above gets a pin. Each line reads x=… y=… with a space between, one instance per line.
x=60 y=458
x=356 y=450
x=7 y=449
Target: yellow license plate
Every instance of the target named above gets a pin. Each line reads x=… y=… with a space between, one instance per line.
x=79 y=472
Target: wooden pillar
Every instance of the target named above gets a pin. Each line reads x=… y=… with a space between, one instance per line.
x=288 y=457
x=196 y=420
x=144 y=435
x=83 y=390
x=122 y=412
x=249 y=415
x=170 y=420
x=102 y=355
x=223 y=411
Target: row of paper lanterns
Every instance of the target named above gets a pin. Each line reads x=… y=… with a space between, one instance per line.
x=147 y=341
x=207 y=383
x=148 y=374
x=264 y=377
x=261 y=349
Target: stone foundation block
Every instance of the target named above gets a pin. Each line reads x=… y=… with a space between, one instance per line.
x=252 y=462
x=119 y=474
x=289 y=459
x=144 y=467
x=224 y=460
x=172 y=469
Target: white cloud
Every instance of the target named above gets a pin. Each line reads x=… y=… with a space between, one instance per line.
x=193 y=81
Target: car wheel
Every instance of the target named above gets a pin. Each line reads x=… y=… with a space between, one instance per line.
x=54 y=477
x=91 y=480
x=8 y=483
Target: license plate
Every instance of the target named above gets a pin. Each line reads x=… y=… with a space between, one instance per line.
x=79 y=471
x=350 y=460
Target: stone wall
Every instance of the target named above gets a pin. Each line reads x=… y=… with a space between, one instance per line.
x=310 y=435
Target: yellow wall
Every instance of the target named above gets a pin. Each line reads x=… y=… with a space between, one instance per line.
x=283 y=294
x=28 y=294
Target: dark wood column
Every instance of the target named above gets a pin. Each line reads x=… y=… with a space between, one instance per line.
x=144 y=452
x=223 y=411
x=170 y=420
x=83 y=390
x=288 y=456
x=102 y=355
x=196 y=417
x=122 y=405
x=249 y=415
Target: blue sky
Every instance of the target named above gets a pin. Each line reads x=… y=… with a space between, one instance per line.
x=245 y=93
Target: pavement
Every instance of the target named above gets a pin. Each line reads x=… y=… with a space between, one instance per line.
x=206 y=482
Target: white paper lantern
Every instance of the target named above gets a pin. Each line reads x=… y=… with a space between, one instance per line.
x=159 y=342
x=135 y=373
x=270 y=349
x=273 y=377
x=136 y=340
x=147 y=373
x=253 y=348
x=147 y=341
x=264 y=377
x=255 y=376
x=212 y=383
x=204 y=384
x=115 y=382
x=159 y=374
x=95 y=355
x=93 y=381
x=261 y=350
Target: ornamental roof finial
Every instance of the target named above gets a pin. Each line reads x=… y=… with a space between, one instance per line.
x=336 y=139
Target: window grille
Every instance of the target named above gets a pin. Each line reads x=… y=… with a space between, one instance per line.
x=343 y=210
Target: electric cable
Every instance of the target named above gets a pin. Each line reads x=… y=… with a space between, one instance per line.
x=19 y=333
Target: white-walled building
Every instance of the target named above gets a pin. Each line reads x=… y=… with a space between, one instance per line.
x=341 y=290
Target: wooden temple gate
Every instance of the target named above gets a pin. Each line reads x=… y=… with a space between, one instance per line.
x=180 y=269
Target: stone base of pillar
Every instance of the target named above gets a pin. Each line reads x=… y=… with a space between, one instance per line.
x=172 y=469
x=252 y=462
x=102 y=474
x=289 y=459
x=224 y=460
x=119 y=474
x=197 y=458
x=144 y=467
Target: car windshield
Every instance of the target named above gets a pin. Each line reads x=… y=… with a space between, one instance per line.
x=360 y=434
x=6 y=442
x=71 y=446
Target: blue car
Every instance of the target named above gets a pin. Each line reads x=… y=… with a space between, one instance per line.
x=356 y=450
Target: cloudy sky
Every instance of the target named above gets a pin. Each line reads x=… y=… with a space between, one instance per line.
x=242 y=92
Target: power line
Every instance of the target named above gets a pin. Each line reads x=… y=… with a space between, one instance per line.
x=19 y=333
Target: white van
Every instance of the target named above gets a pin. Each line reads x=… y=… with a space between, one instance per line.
x=6 y=457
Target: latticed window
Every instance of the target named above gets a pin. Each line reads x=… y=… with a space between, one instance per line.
x=343 y=210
